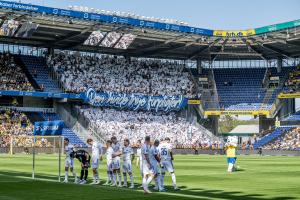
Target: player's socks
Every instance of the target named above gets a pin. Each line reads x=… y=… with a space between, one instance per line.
x=131 y=181
x=162 y=179
x=157 y=183
x=149 y=179
x=75 y=176
x=144 y=183
x=86 y=173
x=120 y=179
x=125 y=179
x=174 y=180
x=114 y=179
x=160 y=187
x=66 y=176
x=81 y=174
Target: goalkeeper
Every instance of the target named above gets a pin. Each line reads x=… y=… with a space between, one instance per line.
x=84 y=158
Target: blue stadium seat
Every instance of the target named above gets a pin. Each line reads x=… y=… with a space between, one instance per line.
x=270 y=137
x=244 y=90
x=39 y=64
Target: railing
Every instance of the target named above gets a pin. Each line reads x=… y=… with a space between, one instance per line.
x=55 y=77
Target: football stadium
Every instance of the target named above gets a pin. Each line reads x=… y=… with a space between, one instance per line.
x=98 y=104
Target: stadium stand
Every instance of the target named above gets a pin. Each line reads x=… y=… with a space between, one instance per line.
x=242 y=89
x=294 y=117
x=37 y=67
x=136 y=125
x=67 y=132
x=270 y=137
x=16 y=124
x=112 y=74
x=293 y=83
x=12 y=77
x=289 y=141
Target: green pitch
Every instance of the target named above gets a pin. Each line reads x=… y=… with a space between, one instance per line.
x=199 y=177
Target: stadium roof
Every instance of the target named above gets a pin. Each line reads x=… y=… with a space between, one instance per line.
x=66 y=29
x=245 y=129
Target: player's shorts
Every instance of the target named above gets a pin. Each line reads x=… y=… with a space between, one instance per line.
x=231 y=160
x=86 y=163
x=127 y=167
x=69 y=162
x=116 y=164
x=155 y=168
x=167 y=166
x=109 y=165
x=95 y=163
x=147 y=170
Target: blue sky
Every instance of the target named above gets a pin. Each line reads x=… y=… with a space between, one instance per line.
x=217 y=14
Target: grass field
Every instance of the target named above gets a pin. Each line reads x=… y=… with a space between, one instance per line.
x=199 y=177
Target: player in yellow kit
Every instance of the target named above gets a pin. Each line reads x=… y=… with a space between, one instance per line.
x=230 y=148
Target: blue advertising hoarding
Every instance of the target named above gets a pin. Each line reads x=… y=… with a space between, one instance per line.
x=48 y=128
x=135 y=101
x=104 y=18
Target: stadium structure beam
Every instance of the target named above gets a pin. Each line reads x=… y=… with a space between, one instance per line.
x=214 y=55
x=276 y=50
x=75 y=34
x=196 y=53
x=267 y=46
x=254 y=49
x=293 y=43
x=162 y=47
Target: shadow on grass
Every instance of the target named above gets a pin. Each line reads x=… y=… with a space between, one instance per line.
x=107 y=192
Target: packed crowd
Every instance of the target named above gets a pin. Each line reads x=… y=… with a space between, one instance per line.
x=136 y=125
x=292 y=85
x=12 y=77
x=289 y=141
x=116 y=74
x=16 y=125
x=13 y=123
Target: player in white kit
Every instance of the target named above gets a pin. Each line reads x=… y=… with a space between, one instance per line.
x=69 y=161
x=146 y=165
x=109 y=158
x=116 y=162
x=166 y=161
x=128 y=156
x=139 y=159
x=96 y=158
x=155 y=160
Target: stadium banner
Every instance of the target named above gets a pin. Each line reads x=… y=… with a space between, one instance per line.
x=135 y=101
x=46 y=128
x=289 y=96
x=236 y=112
x=194 y=102
x=229 y=33
x=104 y=18
x=277 y=27
x=40 y=94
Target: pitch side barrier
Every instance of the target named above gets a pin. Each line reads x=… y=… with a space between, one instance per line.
x=52 y=150
x=145 y=23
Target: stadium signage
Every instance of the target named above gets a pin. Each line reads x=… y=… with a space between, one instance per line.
x=145 y=23
x=40 y=94
x=135 y=101
x=289 y=96
x=236 y=112
x=222 y=33
x=48 y=128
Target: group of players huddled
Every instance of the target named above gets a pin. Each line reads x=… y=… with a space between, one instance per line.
x=154 y=158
